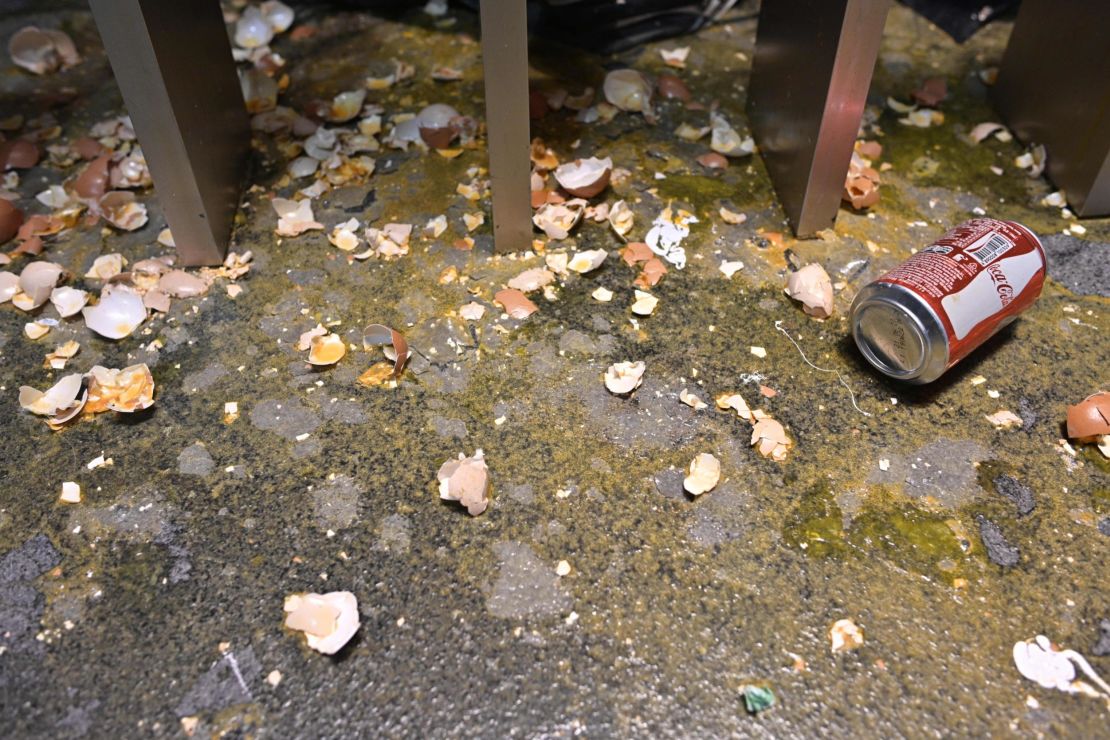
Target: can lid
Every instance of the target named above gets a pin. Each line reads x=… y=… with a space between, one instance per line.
x=891 y=339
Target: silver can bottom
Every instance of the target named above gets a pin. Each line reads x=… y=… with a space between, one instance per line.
x=899 y=334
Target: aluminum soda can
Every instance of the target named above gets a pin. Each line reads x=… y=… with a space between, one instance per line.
x=931 y=311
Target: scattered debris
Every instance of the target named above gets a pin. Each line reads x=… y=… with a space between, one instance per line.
x=813 y=288
x=294 y=216
x=692 y=400
x=999 y=550
x=703 y=475
x=622 y=378
x=628 y=90
x=758 y=698
x=71 y=493
x=472 y=311
x=515 y=303
x=731 y=217
x=1016 y=491
x=328 y=621
x=771 y=439
x=585 y=178
x=394 y=344
x=119 y=312
x=326 y=350
x=728 y=269
x=465 y=480
x=1004 y=419
x=845 y=635
x=583 y=262
x=667 y=231
x=1044 y=663
x=602 y=294
x=644 y=304
x=41 y=51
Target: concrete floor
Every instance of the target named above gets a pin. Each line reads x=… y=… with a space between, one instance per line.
x=155 y=605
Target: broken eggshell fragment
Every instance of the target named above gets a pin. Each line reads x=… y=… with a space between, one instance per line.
x=11 y=218
x=515 y=303
x=326 y=350
x=68 y=301
x=61 y=395
x=770 y=439
x=36 y=283
x=125 y=391
x=438 y=125
x=180 y=284
x=813 y=288
x=622 y=378
x=119 y=312
x=628 y=90
x=703 y=475
x=585 y=178
x=18 y=154
x=377 y=335
x=40 y=50
x=465 y=480
x=1090 y=418
x=328 y=621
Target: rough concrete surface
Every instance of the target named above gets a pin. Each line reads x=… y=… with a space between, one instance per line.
x=153 y=607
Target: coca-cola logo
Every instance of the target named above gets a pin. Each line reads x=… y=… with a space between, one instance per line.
x=1001 y=284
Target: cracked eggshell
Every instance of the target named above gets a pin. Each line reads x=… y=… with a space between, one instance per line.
x=11 y=218
x=588 y=261
x=624 y=377
x=36 y=282
x=436 y=125
x=60 y=396
x=628 y=90
x=326 y=350
x=532 y=279
x=126 y=391
x=328 y=621
x=515 y=303
x=585 y=178
x=771 y=439
x=557 y=219
x=645 y=303
x=1090 y=418
x=119 y=312
x=703 y=475
x=294 y=216
x=121 y=210
x=811 y=285
x=19 y=154
x=9 y=286
x=466 y=480
x=105 y=267
x=252 y=30
x=40 y=51
x=180 y=284
x=68 y=301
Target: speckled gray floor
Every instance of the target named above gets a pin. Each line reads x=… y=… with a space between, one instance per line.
x=155 y=605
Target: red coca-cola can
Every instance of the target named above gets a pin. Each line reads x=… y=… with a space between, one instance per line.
x=931 y=311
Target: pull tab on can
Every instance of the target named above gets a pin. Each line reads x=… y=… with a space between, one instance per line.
x=931 y=311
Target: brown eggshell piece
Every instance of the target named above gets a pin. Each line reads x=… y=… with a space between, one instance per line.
x=672 y=88
x=92 y=183
x=87 y=147
x=438 y=138
x=11 y=218
x=713 y=161
x=1090 y=417
x=19 y=154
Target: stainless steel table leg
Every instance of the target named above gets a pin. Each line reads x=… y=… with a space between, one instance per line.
x=812 y=68
x=172 y=62
x=505 y=61
x=1053 y=88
